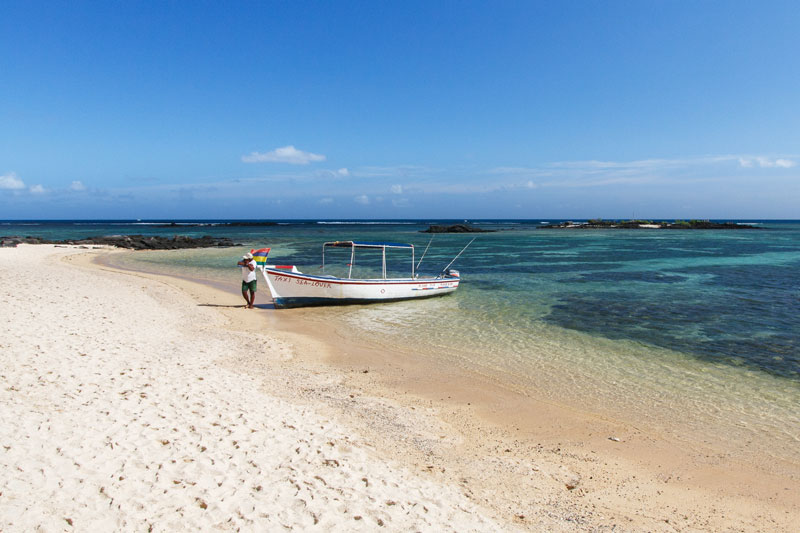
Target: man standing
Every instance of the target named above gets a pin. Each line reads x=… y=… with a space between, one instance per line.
x=248 y=279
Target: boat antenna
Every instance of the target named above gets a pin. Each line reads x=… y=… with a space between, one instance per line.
x=425 y=252
x=456 y=257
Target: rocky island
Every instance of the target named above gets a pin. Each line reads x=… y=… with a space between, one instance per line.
x=648 y=224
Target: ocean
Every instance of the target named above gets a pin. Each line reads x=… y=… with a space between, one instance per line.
x=700 y=326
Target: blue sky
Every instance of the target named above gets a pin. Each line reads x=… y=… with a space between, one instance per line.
x=658 y=109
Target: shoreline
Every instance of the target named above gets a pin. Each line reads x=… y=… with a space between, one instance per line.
x=607 y=470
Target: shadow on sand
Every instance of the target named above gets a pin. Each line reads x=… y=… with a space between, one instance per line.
x=238 y=306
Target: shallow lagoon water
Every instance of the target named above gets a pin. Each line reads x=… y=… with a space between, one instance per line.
x=702 y=327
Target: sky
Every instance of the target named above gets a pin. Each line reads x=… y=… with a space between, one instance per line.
x=385 y=110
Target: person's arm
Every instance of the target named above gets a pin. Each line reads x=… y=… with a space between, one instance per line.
x=251 y=265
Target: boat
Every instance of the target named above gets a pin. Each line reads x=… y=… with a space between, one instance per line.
x=291 y=288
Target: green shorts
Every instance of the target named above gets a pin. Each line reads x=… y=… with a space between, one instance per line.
x=251 y=285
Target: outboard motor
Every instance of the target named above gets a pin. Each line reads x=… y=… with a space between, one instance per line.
x=452 y=273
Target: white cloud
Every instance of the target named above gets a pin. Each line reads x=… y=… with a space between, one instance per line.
x=286 y=154
x=37 y=189
x=531 y=184
x=343 y=172
x=11 y=181
x=397 y=189
x=400 y=202
x=325 y=201
x=362 y=199
x=77 y=186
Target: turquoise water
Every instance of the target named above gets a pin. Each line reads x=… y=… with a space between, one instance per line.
x=631 y=322
x=730 y=297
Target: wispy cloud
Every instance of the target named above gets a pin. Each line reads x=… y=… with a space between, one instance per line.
x=603 y=181
x=638 y=164
x=286 y=154
x=766 y=162
x=324 y=173
x=747 y=161
x=11 y=181
x=362 y=199
x=597 y=173
x=397 y=189
x=37 y=189
x=77 y=186
x=663 y=163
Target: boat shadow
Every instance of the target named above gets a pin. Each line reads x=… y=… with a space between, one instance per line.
x=238 y=306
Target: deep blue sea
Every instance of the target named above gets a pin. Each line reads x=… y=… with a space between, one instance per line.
x=630 y=320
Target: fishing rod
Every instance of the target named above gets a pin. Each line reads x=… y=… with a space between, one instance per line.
x=456 y=257
x=423 y=253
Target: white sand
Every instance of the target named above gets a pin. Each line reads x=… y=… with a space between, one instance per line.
x=116 y=416
x=133 y=401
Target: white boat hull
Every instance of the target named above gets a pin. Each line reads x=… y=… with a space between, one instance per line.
x=291 y=288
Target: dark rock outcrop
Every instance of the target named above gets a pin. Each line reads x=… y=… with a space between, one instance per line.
x=132 y=242
x=648 y=224
x=456 y=228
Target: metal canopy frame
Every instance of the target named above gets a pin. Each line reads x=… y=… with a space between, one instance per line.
x=380 y=245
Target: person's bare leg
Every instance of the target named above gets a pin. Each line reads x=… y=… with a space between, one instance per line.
x=252 y=299
x=246 y=299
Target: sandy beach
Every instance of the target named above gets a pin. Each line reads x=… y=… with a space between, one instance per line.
x=133 y=401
